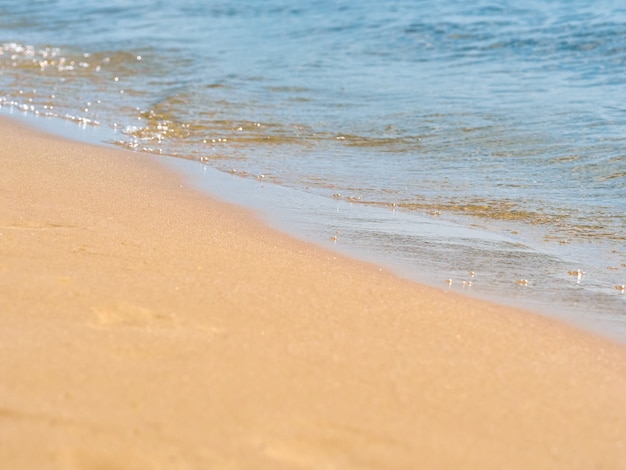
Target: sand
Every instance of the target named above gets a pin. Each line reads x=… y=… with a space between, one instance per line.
x=144 y=325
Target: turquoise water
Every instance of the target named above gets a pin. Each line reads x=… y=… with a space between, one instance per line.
x=438 y=138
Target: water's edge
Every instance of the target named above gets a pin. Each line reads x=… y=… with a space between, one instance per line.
x=446 y=255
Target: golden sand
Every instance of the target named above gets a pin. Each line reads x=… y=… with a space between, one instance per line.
x=143 y=325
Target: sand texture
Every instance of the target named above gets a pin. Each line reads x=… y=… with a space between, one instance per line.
x=143 y=325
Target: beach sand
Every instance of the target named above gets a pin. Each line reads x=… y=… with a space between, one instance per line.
x=144 y=325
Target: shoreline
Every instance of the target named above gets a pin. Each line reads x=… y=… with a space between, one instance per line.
x=338 y=226
x=147 y=325
x=589 y=301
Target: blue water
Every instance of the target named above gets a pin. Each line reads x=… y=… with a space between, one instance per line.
x=438 y=138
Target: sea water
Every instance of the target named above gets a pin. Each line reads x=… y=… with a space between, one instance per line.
x=477 y=146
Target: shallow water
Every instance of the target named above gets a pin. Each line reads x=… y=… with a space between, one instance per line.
x=439 y=139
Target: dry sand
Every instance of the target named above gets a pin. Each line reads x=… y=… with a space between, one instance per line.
x=143 y=325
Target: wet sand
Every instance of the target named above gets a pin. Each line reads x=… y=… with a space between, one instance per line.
x=144 y=325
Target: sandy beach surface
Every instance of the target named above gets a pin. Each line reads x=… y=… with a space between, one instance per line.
x=144 y=325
